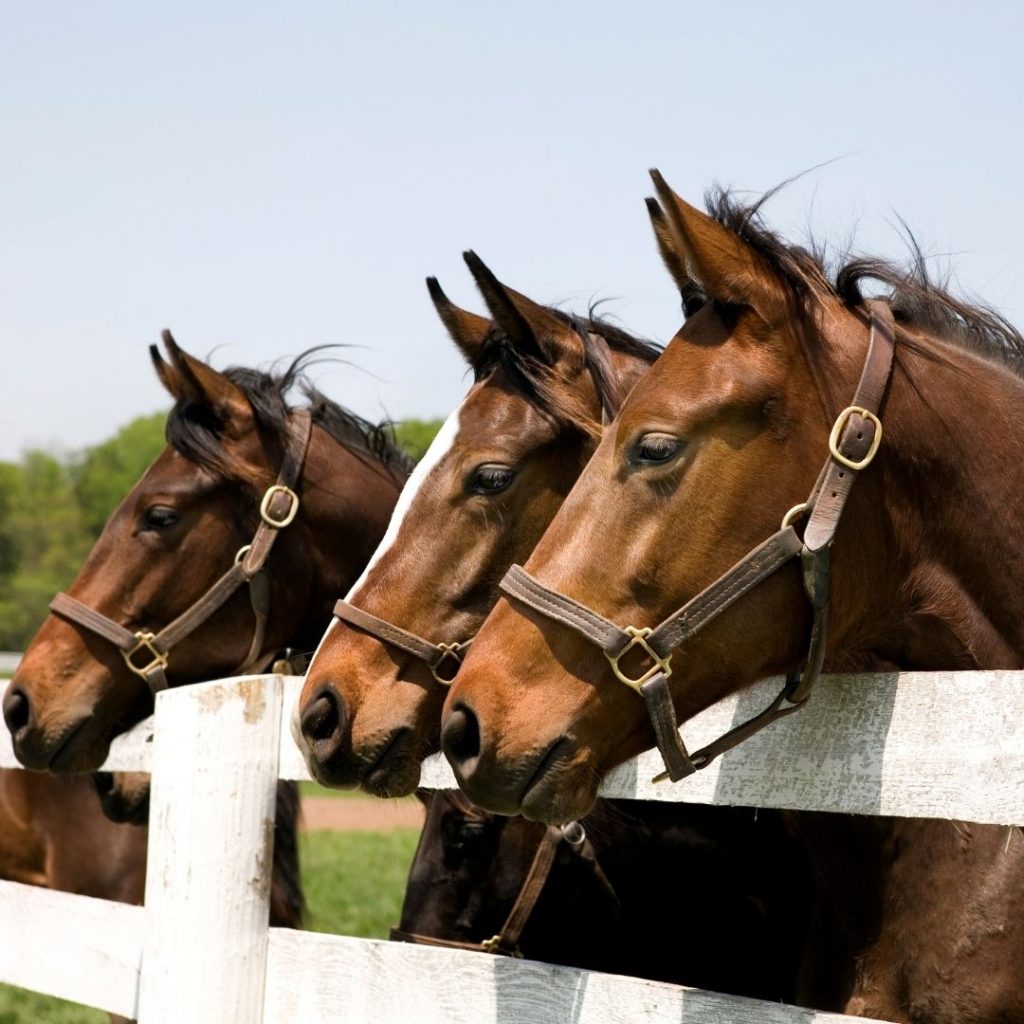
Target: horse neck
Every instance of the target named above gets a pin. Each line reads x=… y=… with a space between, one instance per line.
x=950 y=486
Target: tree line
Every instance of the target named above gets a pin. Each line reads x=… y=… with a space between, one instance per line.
x=53 y=507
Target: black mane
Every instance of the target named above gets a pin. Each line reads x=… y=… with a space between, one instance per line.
x=195 y=431
x=538 y=380
x=918 y=302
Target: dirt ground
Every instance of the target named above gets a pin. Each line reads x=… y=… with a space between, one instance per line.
x=359 y=815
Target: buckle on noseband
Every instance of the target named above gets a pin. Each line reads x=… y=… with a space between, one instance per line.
x=293 y=507
x=145 y=643
x=837 y=429
x=448 y=651
x=638 y=638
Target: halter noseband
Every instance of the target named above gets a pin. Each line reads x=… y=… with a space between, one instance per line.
x=445 y=660
x=506 y=941
x=853 y=443
x=278 y=509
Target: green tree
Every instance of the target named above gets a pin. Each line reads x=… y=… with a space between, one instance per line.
x=414 y=436
x=104 y=474
x=46 y=540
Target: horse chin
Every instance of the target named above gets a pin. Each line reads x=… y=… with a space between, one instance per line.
x=125 y=802
x=560 y=795
x=396 y=772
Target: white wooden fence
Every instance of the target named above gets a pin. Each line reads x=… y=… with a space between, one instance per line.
x=928 y=745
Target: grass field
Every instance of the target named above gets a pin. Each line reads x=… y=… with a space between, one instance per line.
x=354 y=884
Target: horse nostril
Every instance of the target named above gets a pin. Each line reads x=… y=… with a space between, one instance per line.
x=323 y=721
x=461 y=737
x=17 y=710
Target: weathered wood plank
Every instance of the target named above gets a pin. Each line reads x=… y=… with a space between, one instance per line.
x=328 y=979
x=921 y=744
x=75 y=947
x=215 y=757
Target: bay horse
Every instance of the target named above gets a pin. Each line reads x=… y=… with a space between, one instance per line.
x=495 y=474
x=544 y=384
x=163 y=551
x=723 y=439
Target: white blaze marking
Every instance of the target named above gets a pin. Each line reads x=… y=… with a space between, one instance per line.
x=439 y=448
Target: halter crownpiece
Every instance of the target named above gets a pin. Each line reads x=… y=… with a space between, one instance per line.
x=853 y=444
x=278 y=508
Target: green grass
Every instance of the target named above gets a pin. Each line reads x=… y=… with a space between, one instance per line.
x=354 y=884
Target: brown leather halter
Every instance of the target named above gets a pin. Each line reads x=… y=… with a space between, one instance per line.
x=853 y=442
x=445 y=660
x=278 y=508
x=506 y=942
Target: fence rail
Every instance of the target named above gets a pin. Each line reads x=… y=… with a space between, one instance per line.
x=947 y=745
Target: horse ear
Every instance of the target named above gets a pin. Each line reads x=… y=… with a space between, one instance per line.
x=467 y=330
x=729 y=270
x=191 y=380
x=674 y=259
x=530 y=328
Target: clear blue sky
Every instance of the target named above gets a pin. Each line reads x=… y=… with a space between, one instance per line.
x=262 y=178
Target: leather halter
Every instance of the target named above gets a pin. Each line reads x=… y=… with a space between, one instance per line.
x=853 y=442
x=506 y=942
x=445 y=660
x=278 y=508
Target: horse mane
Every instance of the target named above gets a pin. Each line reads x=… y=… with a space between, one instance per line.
x=918 y=302
x=540 y=382
x=195 y=431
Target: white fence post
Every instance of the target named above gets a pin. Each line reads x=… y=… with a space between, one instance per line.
x=215 y=768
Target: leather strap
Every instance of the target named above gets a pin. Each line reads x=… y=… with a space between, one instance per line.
x=853 y=442
x=438 y=657
x=506 y=942
x=277 y=510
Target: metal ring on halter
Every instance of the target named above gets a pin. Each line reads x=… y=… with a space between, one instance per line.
x=793 y=514
x=293 y=507
x=574 y=833
x=638 y=638
x=242 y=552
x=454 y=652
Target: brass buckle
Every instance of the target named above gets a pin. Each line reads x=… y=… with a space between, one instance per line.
x=493 y=945
x=837 y=429
x=453 y=651
x=145 y=643
x=293 y=508
x=638 y=638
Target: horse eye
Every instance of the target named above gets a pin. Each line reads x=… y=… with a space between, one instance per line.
x=159 y=517
x=657 y=448
x=492 y=478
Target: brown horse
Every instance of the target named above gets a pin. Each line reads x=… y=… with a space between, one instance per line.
x=725 y=433
x=496 y=473
x=370 y=709
x=611 y=894
x=165 y=546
